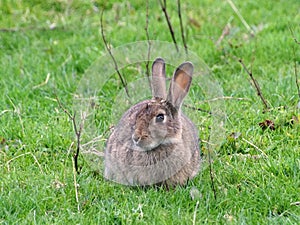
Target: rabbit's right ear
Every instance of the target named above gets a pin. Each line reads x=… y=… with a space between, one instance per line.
x=180 y=84
x=159 y=79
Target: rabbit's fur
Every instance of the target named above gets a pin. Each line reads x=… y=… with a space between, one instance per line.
x=154 y=142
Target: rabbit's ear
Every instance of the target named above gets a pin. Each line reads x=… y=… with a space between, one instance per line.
x=180 y=84
x=159 y=79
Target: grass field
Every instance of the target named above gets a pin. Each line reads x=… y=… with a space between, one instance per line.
x=46 y=49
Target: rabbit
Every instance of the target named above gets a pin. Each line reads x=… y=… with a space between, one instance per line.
x=154 y=143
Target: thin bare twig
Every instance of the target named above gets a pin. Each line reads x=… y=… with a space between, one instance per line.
x=75 y=185
x=197 y=109
x=235 y=9
x=297 y=42
x=149 y=43
x=256 y=85
x=195 y=212
x=163 y=6
x=18 y=112
x=94 y=140
x=181 y=27
x=295 y=203
x=211 y=169
x=43 y=83
x=5 y=111
x=225 y=32
x=123 y=81
x=226 y=98
x=77 y=131
x=11 y=29
x=296 y=73
x=295 y=39
x=30 y=28
x=27 y=153
x=295 y=62
x=254 y=146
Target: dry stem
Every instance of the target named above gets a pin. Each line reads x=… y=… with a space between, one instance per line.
x=226 y=98
x=257 y=148
x=27 y=153
x=181 y=27
x=195 y=213
x=235 y=9
x=17 y=111
x=123 y=81
x=197 y=109
x=256 y=85
x=43 y=83
x=295 y=62
x=163 y=6
x=75 y=184
x=149 y=43
x=211 y=169
x=30 y=28
x=296 y=74
x=77 y=133
x=295 y=39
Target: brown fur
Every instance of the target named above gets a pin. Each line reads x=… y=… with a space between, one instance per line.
x=141 y=151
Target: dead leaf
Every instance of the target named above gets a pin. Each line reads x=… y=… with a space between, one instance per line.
x=294 y=120
x=194 y=23
x=267 y=124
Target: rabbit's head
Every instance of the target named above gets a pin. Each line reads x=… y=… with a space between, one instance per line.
x=158 y=121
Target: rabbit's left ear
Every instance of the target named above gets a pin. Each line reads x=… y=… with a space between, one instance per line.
x=159 y=79
x=180 y=84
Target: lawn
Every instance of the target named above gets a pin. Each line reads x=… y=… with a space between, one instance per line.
x=53 y=50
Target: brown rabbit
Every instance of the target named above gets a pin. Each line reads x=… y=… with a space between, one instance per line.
x=154 y=142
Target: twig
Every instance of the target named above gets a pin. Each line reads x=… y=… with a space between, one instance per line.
x=211 y=169
x=256 y=85
x=208 y=143
x=149 y=43
x=92 y=149
x=17 y=110
x=181 y=27
x=27 y=153
x=296 y=73
x=77 y=133
x=163 y=6
x=235 y=9
x=75 y=185
x=195 y=213
x=197 y=109
x=295 y=39
x=11 y=29
x=43 y=83
x=295 y=203
x=123 y=81
x=295 y=65
x=226 y=98
x=295 y=62
x=30 y=28
x=225 y=32
x=94 y=140
x=4 y=111
x=257 y=148
x=69 y=58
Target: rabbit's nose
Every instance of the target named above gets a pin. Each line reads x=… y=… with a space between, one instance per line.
x=136 y=139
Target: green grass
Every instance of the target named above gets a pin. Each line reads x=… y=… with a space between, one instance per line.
x=256 y=175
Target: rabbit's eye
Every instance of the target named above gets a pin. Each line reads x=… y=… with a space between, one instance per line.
x=160 y=118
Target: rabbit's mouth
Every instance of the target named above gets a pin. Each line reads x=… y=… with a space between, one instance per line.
x=147 y=145
x=142 y=144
